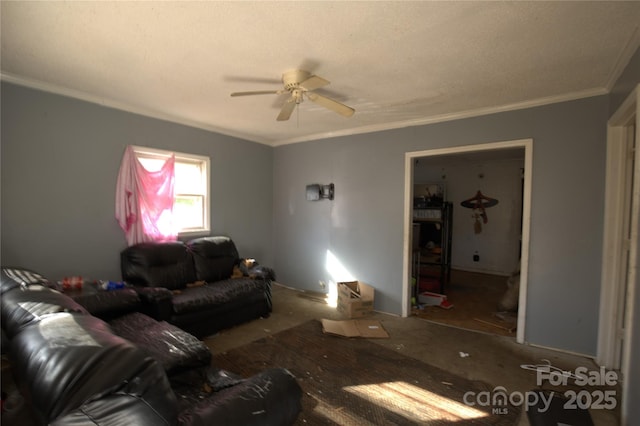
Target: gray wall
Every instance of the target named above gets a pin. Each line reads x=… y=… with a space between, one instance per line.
x=363 y=226
x=60 y=159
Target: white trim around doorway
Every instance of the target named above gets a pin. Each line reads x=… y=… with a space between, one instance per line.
x=614 y=260
x=618 y=311
x=527 y=144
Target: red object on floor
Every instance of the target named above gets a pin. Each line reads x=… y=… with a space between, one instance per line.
x=446 y=304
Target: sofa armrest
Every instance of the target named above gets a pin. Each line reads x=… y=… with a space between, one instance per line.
x=156 y=302
x=108 y=304
x=175 y=349
x=263 y=272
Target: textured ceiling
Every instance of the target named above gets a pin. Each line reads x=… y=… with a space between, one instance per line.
x=397 y=63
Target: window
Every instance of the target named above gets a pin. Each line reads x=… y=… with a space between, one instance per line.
x=191 y=206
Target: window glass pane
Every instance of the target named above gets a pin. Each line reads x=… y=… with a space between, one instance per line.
x=188 y=212
x=189 y=179
x=152 y=164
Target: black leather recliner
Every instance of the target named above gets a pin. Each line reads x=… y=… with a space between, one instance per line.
x=73 y=370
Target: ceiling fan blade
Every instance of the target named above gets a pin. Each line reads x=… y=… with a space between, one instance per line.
x=247 y=79
x=256 y=92
x=314 y=82
x=329 y=103
x=287 y=109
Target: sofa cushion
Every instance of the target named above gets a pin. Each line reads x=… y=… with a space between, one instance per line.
x=20 y=309
x=213 y=257
x=215 y=294
x=68 y=360
x=15 y=277
x=167 y=264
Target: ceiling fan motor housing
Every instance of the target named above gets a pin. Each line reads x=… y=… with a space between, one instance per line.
x=292 y=79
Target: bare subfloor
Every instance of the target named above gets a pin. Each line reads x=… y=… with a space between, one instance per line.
x=475 y=355
x=473 y=298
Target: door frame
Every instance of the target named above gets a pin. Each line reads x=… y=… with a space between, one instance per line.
x=409 y=158
x=609 y=332
x=614 y=301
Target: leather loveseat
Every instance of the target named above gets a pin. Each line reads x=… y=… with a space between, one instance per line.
x=72 y=369
x=190 y=284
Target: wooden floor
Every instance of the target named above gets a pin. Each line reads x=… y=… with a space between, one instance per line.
x=474 y=297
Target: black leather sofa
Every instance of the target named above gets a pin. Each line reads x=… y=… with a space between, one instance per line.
x=72 y=369
x=172 y=272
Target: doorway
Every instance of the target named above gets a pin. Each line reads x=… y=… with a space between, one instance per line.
x=618 y=296
x=471 y=152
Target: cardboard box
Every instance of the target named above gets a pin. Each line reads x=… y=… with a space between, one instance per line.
x=370 y=329
x=355 y=299
x=434 y=299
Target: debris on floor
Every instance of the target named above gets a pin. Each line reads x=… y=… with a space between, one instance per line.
x=355 y=328
x=428 y=298
x=445 y=305
x=509 y=328
x=431 y=299
x=510 y=317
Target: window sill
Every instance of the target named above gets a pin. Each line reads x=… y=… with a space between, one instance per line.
x=194 y=234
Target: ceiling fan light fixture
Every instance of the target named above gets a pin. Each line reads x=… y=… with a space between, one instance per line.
x=299 y=83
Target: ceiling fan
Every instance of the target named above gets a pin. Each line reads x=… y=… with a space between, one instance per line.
x=301 y=84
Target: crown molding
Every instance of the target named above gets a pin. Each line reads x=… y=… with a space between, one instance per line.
x=625 y=56
x=449 y=117
x=110 y=103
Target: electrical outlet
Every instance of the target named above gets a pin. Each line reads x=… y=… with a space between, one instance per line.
x=476 y=257
x=322 y=284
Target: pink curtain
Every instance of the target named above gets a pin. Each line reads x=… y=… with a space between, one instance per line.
x=144 y=200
